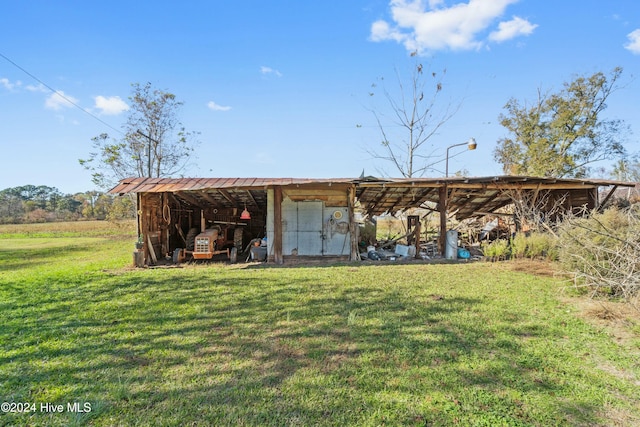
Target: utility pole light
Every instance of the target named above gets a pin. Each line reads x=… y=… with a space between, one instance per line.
x=444 y=195
x=471 y=145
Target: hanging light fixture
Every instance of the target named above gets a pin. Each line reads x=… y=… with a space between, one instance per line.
x=245 y=213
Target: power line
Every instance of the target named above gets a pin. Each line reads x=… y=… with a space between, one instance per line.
x=61 y=95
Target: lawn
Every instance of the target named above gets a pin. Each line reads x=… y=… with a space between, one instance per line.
x=373 y=344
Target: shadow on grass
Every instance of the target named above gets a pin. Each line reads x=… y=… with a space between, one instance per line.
x=17 y=259
x=230 y=347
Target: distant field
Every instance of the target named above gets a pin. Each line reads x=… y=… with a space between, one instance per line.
x=365 y=344
x=69 y=229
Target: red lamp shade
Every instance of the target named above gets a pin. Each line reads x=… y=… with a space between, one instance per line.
x=245 y=214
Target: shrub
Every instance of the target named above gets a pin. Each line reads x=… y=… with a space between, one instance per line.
x=518 y=245
x=603 y=251
x=496 y=250
x=542 y=245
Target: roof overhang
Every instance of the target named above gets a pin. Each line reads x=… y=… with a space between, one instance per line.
x=466 y=196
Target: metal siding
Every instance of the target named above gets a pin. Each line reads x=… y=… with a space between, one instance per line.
x=336 y=232
x=289 y=227
x=310 y=228
x=302 y=228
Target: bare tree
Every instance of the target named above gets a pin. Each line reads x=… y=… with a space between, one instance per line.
x=413 y=110
x=154 y=142
x=539 y=210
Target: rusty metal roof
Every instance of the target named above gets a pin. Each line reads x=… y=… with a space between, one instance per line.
x=162 y=185
x=466 y=196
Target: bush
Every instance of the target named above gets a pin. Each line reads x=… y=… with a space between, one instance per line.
x=603 y=251
x=543 y=246
x=496 y=250
x=518 y=245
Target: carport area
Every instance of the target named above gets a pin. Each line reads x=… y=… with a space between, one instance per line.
x=463 y=197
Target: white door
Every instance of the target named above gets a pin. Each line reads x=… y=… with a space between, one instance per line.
x=302 y=228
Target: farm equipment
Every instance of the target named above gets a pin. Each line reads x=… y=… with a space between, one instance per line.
x=205 y=245
x=219 y=239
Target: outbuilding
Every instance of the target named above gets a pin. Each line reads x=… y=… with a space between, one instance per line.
x=301 y=218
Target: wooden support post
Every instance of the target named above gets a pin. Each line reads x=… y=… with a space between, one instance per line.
x=600 y=207
x=353 y=227
x=138 y=213
x=417 y=236
x=277 y=225
x=442 y=208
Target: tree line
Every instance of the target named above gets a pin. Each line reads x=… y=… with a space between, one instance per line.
x=40 y=203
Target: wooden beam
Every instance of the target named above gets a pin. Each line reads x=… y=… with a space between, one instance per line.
x=152 y=251
x=253 y=199
x=277 y=225
x=491 y=185
x=489 y=200
x=606 y=199
x=442 y=207
x=189 y=198
x=492 y=213
x=208 y=197
x=353 y=227
x=227 y=196
x=377 y=200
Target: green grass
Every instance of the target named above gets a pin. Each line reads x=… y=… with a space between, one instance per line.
x=67 y=229
x=470 y=344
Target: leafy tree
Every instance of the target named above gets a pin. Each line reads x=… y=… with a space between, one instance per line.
x=627 y=170
x=122 y=207
x=154 y=141
x=561 y=134
x=35 y=203
x=11 y=206
x=413 y=111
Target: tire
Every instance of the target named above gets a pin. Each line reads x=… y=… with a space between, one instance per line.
x=176 y=255
x=237 y=239
x=233 y=255
x=191 y=239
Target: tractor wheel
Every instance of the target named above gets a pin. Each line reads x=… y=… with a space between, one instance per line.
x=191 y=239
x=237 y=239
x=233 y=255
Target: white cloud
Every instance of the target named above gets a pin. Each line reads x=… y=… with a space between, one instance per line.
x=6 y=83
x=215 y=107
x=268 y=70
x=508 y=30
x=39 y=88
x=59 y=100
x=110 y=106
x=435 y=26
x=634 y=42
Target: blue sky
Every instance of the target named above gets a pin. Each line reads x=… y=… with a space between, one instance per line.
x=280 y=88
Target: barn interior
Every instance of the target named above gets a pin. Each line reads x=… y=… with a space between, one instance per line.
x=172 y=215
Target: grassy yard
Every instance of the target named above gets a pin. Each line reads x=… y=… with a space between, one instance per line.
x=427 y=345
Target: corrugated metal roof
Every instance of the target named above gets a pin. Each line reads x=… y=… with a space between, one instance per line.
x=161 y=185
x=377 y=196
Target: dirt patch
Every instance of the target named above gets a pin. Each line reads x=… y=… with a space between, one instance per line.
x=535 y=267
x=617 y=318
